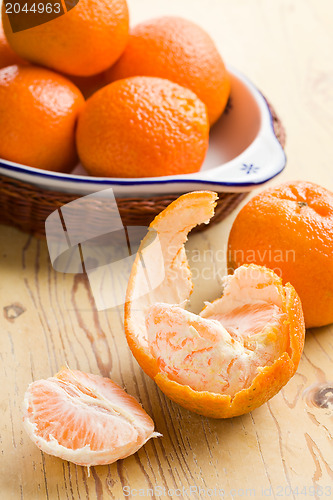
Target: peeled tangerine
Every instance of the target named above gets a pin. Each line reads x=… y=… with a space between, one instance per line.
x=84 y=418
x=239 y=351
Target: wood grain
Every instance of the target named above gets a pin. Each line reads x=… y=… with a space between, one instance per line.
x=48 y=319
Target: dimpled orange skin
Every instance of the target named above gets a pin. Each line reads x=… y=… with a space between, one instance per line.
x=181 y=51
x=296 y=221
x=38 y=114
x=142 y=127
x=7 y=55
x=269 y=380
x=84 y=41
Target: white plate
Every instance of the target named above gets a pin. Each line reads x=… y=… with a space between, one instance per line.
x=243 y=153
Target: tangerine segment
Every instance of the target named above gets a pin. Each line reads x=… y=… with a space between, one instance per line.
x=223 y=351
x=38 y=114
x=241 y=349
x=85 y=418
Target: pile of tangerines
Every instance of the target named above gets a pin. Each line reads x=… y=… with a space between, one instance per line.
x=153 y=92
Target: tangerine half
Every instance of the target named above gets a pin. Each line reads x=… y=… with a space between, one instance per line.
x=238 y=352
x=84 y=418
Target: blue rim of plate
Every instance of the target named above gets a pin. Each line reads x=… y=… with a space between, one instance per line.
x=12 y=167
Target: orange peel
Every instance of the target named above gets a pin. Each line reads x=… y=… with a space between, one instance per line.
x=239 y=351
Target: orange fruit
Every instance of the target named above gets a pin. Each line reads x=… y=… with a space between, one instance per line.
x=142 y=127
x=238 y=352
x=7 y=55
x=38 y=114
x=289 y=228
x=84 y=418
x=84 y=41
x=181 y=51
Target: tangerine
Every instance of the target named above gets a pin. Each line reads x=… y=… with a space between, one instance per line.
x=84 y=41
x=84 y=418
x=238 y=352
x=181 y=51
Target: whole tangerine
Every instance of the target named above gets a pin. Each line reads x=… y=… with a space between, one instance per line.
x=38 y=115
x=86 y=40
x=142 y=127
x=181 y=51
x=289 y=228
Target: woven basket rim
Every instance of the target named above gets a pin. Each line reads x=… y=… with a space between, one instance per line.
x=27 y=206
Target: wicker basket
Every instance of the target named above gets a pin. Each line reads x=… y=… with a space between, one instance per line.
x=26 y=206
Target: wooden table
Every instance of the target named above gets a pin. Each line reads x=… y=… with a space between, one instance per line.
x=48 y=319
